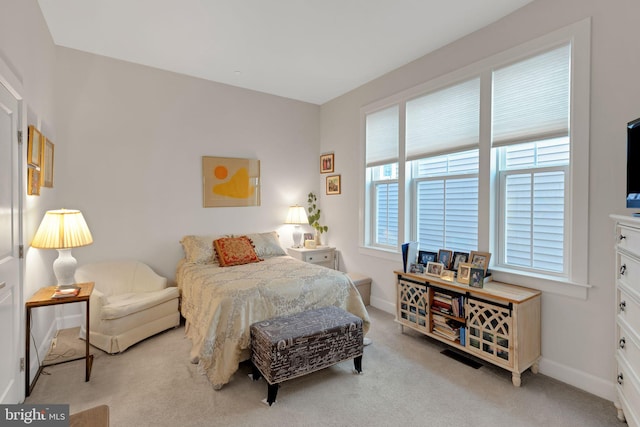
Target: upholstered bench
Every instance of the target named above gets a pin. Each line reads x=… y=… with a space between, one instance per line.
x=291 y=346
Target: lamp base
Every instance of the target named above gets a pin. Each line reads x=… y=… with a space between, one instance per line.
x=297 y=236
x=64 y=267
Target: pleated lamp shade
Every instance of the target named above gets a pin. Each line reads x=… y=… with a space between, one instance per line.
x=63 y=229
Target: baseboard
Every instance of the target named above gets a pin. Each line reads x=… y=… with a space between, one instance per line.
x=70 y=321
x=579 y=379
x=41 y=350
x=42 y=347
x=383 y=305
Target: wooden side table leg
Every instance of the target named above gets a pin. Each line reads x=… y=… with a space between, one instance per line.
x=27 y=355
x=88 y=357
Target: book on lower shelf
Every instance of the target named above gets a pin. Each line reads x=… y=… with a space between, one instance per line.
x=66 y=292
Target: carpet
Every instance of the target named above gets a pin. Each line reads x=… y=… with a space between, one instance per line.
x=405 y=381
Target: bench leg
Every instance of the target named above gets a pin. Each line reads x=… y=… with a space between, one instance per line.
x=357 y=363
x=271 y=393
x=255 y=372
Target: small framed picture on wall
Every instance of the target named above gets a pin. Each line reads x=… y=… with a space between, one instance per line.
x=333 y=184
x=326 y=163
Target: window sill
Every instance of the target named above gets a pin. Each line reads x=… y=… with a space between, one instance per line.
x=529 y=280
x=542 y=283
x=388 y=254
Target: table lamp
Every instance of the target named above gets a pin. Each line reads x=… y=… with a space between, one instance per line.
x=296 y=216
x=63 y=229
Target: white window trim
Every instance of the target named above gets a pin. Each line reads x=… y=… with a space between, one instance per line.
x=579 y=34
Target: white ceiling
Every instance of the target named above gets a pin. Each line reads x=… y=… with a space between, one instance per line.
x=307 y=50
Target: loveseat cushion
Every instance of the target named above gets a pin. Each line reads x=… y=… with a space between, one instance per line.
x=125 y=304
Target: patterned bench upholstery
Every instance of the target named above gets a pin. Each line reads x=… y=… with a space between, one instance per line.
x=291 y=346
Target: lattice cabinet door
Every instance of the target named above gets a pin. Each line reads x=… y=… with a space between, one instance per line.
x=413 y=303
x=490 y=331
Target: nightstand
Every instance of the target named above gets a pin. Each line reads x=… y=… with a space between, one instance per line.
x=322 y=255
x=44 y=298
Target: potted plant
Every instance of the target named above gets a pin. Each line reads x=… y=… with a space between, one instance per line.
x=313 y=214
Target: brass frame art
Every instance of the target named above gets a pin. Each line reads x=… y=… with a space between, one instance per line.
x=228 y=182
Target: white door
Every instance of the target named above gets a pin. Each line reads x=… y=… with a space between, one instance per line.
x=11 y=350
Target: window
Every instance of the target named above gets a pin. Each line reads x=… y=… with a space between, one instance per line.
x=445 y=186
x=492 y=157
x=532 y=183
x=382 y=136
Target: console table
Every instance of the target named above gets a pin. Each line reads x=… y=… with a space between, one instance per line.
x=499 y=323
x=43 y=298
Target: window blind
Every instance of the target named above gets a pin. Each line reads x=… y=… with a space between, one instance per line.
x=386 y=230
x=531 y=98
x=382 y=137
x=447 y=120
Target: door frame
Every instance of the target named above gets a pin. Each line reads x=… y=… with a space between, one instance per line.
x=11 y=82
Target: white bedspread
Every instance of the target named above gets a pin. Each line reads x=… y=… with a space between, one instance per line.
x=220 y=303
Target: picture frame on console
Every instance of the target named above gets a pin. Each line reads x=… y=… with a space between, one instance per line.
x=459 y=257
x=476 y=277
x=425 y=257
x=480 y=260
x=435 y=268
x=444 y=257
x=464 y=272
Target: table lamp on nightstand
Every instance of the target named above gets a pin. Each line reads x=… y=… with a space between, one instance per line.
x=296 y=216
x=63 y=229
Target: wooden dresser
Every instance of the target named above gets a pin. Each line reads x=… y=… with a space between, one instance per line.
x=627 y=311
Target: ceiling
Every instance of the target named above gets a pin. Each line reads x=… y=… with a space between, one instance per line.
x=307 y=50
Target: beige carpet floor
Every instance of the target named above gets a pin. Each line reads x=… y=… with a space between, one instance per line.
x=406 y=381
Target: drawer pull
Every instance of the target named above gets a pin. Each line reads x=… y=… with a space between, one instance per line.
x=623 y=269
x=622 y=342
x=622 y=237
x=620 y=379
x=623 y=305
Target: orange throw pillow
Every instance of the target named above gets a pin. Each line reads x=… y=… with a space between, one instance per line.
x=235 y=251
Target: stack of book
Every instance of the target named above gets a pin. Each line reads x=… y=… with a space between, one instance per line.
x=445 y=327
x=66 y=292
x=444 y=303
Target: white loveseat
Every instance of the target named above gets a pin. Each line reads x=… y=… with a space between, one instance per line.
x=130 y=302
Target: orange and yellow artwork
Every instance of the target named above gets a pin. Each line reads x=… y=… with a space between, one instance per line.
x=228 y=181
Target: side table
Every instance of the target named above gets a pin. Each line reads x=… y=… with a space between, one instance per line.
x=43 y=298
x=322 y=255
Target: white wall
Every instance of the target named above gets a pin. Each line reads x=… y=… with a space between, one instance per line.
x=577 y=335
x=27 y=49
x=131 y=140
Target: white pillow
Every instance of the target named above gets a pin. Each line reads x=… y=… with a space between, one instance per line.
x=199 y=249
x=266 y=244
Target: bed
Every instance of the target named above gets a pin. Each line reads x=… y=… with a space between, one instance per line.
x=220 y=303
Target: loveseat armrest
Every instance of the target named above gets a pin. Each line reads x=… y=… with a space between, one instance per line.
x=147 y=280
x=96 y=302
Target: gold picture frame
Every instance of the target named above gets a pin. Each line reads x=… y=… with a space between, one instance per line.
x=33 y=181
x=230 y=182
x=326 y=163
x=480 y=260
x=46 y=171
x=333 y=184
x=34 y=147
x=464 y=272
